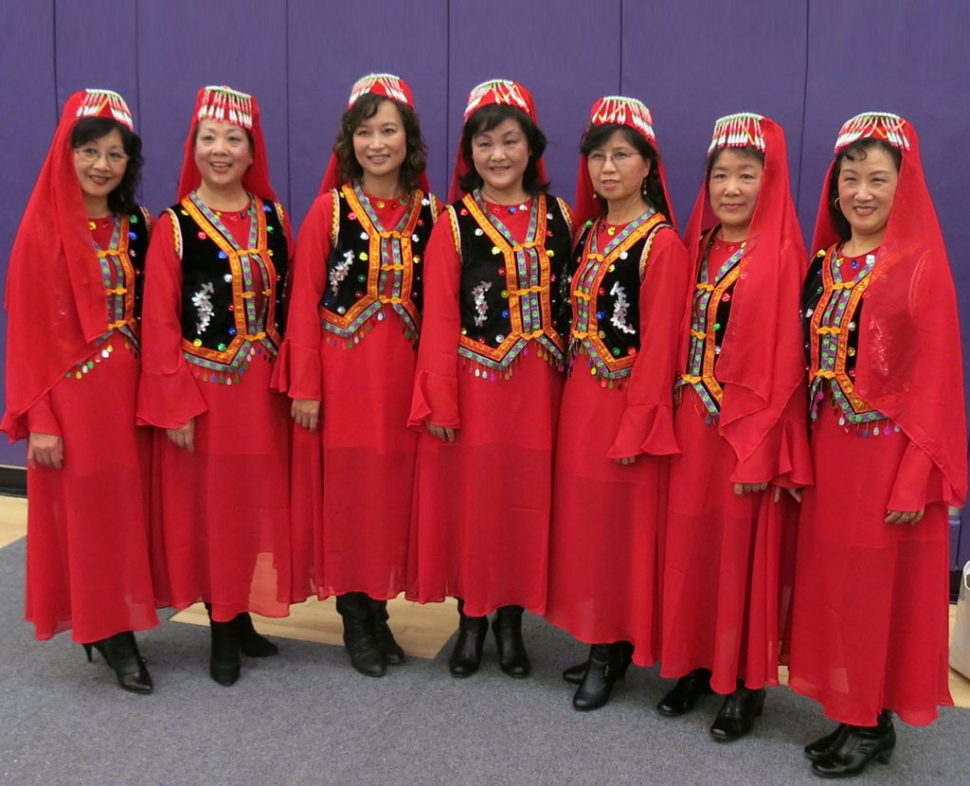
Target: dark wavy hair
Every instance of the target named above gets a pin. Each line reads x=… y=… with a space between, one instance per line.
x=652 y=189
x=416 y=151
x=89 y=129
x=488 y=118
x=857 y=151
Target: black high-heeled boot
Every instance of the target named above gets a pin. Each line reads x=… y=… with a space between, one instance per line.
x=512 y=656
x=825 y=745
x=859 y=746
x=252 y=643
x=466 y=656
x=120 y=652
x=623 y=655
x=684 y=695
x=224 y=660
x=360 y=638
x=393 y=652
x=607 y=663
x=738 y=714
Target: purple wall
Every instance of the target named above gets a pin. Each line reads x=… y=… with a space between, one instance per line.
x=807 y=63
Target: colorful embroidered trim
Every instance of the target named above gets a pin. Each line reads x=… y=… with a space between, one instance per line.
x=874 y=125
x=623 y=111
x=501 y=91
x=220 y=102
x=96 y=101
x=739 y=130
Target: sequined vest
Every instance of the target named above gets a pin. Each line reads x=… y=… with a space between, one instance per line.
x=221 y=327
x=510 y=293
x=831 y=308
x=603 y=282
x=710 y=311
x=371 y=266
x=124 y=261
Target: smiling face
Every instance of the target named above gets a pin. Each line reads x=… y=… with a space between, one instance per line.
x=380 y=143
x=733 y=188
x=617 y=169
x=867 y=188
x=222 y=154
x=501 y=156
x=100 y=165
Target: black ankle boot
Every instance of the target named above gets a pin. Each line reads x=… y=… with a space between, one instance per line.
x=466 y=656
x=607 y=663
x=252 y=644
x=393 y=652
x=684 y=695
x=120 y=652
x=859 y=746
x=738 y=714
x=360 y=637
x=825 y=745
x=574 y=674
x=507 y=627
x=224 y=662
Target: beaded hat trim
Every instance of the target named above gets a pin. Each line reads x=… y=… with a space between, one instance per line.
x=500 y=91
x=384 y=84
x=740 y=130
x=104 y=103
x=219 y=102
x=875 y=125
x=623 y=111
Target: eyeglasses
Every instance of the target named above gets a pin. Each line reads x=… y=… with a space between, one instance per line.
x=617 y=157
x=92 y=155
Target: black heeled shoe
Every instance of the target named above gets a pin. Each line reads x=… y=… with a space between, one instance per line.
x=738 y=714
x=825 y=745
x=681 y=699
x=252 y=643
x=360 y=639
x=120 y=652
x=859 y=746
x=512 y=656
x=466 y=657
x=574 y=674
x=607 y=663
x=224 y=661
x=393 y=652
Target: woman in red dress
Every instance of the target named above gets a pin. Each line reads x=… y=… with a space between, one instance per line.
x=74 y=303
x=488 y=382
x=213 y=323
x=624 y=292
x=740 y=426
x=870 y=625
x=348 y=364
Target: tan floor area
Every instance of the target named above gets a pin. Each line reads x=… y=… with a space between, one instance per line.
x=421 y=630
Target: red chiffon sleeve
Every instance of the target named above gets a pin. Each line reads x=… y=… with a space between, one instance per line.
x=919 y=482
x=647 y=425
x=168 y=394
x=297 y=371
x=783 y=457
x=41 y=418
x=435 y=398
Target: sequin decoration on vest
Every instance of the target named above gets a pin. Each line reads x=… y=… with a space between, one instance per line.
x=709 y=317
x=832 y=302
x=371 y=267
x=225 y=320
x=122 y=264
x=509 y=292
x=604 y=295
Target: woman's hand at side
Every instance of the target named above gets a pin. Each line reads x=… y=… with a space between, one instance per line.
x=45 y=450
x=183 y=437
x=306 y=413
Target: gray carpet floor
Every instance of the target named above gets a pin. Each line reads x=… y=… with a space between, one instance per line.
x=307 y=718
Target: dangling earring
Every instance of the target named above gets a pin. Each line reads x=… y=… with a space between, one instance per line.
x=836 y=203
x=643 y=188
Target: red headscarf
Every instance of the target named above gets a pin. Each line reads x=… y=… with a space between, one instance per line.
x=55 y=300
x=762 y=360
x=910 y=362
x=391 y=87
x=621 y=111
x=240 y=109
x=494 y=91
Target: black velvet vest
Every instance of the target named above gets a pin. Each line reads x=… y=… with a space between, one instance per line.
x=371 y=266
x=219 y=322
x=124 y=306
x=604 y=288
x=501 y=311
